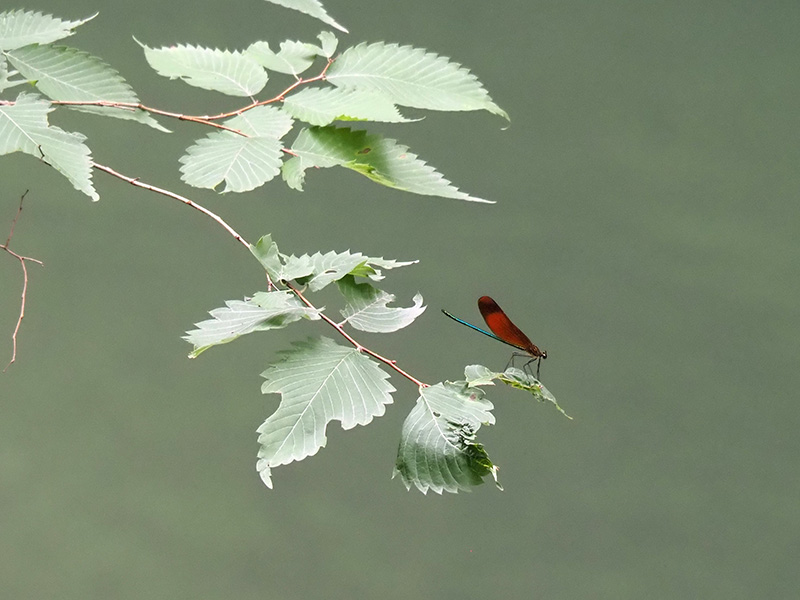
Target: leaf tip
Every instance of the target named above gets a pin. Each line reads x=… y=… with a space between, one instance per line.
x=264 y=472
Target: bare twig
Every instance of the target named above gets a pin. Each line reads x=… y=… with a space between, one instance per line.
x=135 y=181
x=16 y=217
x=24 y=294
x=146 y=186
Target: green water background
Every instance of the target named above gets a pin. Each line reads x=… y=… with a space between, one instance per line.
x=645 y=234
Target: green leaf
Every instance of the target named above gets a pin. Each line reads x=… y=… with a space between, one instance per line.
x=243 y=163
x=312 y=8
x=292 y=59
x=319 y=382
x=477 y=375
x=411 y=77
x=438 y=448
x=293 y=173
x=266 y=251
x=372 y=266
x=380 y=159
x=5 y=75
x=20 y=28
x=319 y=270
x=367 y=308
x=232 y=73
x=265 y=310
x=262 y=121
x=68 y=74
x=329 y=43
x=521 y=380
x=321 y=106
x=24 y=128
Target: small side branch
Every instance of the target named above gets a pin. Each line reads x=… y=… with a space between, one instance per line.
x=146 y=186
x=22 y=260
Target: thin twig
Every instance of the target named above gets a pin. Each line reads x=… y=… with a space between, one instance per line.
x=349 y=338
x=156 y=111
x=146 y=186
x=24 y=294
x=14 y=222
x=278 y=98
x=204 y=119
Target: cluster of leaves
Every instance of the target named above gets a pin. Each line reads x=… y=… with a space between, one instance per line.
x=366 y=82
x=320 y=381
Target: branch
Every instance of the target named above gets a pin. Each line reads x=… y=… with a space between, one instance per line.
x=146 y=186
x=156 y=111
x=204 y=119
x=135 y=181
x=278 y=98
x=349 y=338
x=21 y=260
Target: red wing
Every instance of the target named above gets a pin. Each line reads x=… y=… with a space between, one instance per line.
x=503 y=328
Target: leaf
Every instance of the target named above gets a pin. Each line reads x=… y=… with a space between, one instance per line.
x=319 y=270
x=380 y=159
x=319 y=382
x=5 y=81
x=293 y=173
x=20 y=28
x=68 y=74
x=292 y=59
x=521 y=380
x=262 y=121
x=232 y=73
x=266 y=251
x=476 y=375
x=411 y=77
x=438 y=448
x=367 y=308
x=369 y=268
x=24 y=127
x=243 y=163
x=321 y=106
x=265 y=310
x=328 y=42
x=312 y=8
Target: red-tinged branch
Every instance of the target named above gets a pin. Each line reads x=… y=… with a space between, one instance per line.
x=24 y=294
x=156 y=111
x=146 y=186
x=349 y=338
x=204 y=119
x=278 y=98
